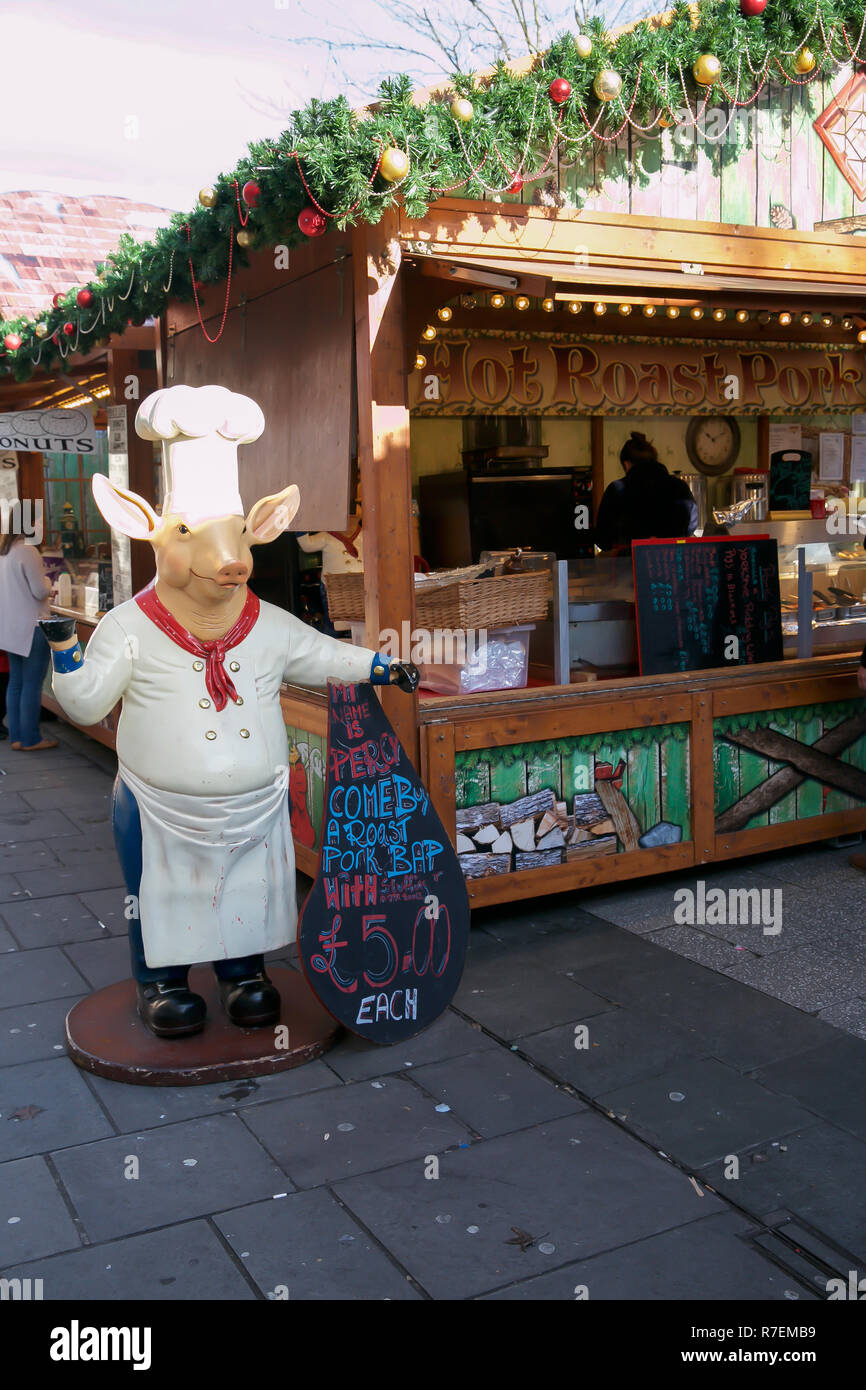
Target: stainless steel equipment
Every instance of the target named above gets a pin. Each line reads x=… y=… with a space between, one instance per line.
x=754 y=486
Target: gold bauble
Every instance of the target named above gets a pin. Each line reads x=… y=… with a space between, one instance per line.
x=244 y=238
x=394 y=165
x=207 y=197
x=607 y=85
x=804 y=61
x=462 y=109
x=707 y=70
x=40 y=329
x=583 y=45
x=665 y=122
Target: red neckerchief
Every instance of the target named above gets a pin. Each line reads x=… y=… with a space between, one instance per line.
x=219 y=683
x=346 y=541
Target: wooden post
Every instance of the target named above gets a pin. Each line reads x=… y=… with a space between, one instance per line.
x=123 y=365
x=762 y=449
x=596 y=451
x=383 y=451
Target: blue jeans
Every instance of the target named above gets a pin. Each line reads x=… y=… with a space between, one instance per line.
x=24 y=692
x=126 y=823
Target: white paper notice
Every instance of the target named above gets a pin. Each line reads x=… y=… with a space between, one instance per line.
x=858 y=458
x=858 y=424
x=831 y=457
x=785 y=437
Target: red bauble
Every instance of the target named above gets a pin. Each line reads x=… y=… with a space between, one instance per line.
x=56 y=300
x=516 y=184
x=83 y=298
x=559 y=90
x=311 y=222
x=69 y=329
x=752 y=7
x=12 y=342
x=251 y=193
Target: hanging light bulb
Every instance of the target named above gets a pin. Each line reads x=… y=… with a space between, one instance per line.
x=625 y=308
x=720 y=315
x=599 y=308
x=673 y=311
x=497 y=300
x=548 y=305
x=805 y=319
x=521 y=302
x=742 y=316
x=827 y=320
x=574 y=306
x=445 y=313
x=764 y=317
x=784 y=319
x=429 y=333
x=697 y=312
x=468 y=301
x=861 y=336
x=649 y=311
x=847 y=324
x=420 y=360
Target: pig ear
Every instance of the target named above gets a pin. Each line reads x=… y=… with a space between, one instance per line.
x=124 y=511
x=271 y=515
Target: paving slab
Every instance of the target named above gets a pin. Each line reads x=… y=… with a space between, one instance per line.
x=622 y=1046
x=34 y=1031
x=92 y=872
x=33 y=825
x=698 y=1112
x=578 y=1185
x=35 y=854
x=178 y=1263
x=511 y=998
x=848 y=1015
x=185 y=1170
x=809 y=977
x=27 y=977
x=44 y=1105
x=310 y=1246
x=815 y=1173
x=87 y=792
x=108 y=905
x=56 y=921
x=102 y=962
x=568 y=951
x=355 y=1059
x=830 y=1081
x=708 y=1261
x=34 y=1219
x=494 y=1092
x=7 y=941
x=331 y=1134
x=10 y=887
x=146 y=1107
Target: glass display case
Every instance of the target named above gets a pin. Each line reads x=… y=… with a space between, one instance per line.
x=832 y=581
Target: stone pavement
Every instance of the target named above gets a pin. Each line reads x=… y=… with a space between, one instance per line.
x=614 y=1104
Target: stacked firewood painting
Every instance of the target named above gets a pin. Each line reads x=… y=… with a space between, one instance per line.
x=789 y=764
x=533 y=805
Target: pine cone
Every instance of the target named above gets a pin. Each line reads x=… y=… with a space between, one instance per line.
x=781 y=217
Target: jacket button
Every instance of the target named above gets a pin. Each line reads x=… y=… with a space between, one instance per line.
x=198 y=665
x=234 y=666
x=245 y=733
x=240 y=700
x=204 y=704
x=211 y=733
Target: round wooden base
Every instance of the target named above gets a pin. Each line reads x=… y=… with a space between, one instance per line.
x=105 y=1035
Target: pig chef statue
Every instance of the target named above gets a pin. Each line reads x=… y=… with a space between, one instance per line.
x=201 y=813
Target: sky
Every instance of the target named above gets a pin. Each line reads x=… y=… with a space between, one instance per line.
x=151 y=99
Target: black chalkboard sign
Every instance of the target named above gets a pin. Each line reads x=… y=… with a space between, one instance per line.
x=383 y=934
x=790 y=480
x=707 y=602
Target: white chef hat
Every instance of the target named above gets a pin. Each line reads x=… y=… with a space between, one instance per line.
x=200 y=428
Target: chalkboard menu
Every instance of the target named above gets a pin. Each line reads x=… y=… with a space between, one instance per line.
x=790 y=480
x=706 y=603
x=383 y=933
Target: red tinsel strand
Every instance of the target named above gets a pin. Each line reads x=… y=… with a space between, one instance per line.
x=810 y=77
x=228 y=290
x=244 y=216
x=348 y=212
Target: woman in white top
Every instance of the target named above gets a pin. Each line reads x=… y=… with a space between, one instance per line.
x=24 y=592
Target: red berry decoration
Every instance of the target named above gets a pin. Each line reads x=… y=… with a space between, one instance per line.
x=12 y=342
x=559 y=90
x=69 y=329
x=251 y=193
x=516 y=184
x=56 y=300
x=752 y=7
x=311 y=222
x=83 y=298
x=55 y=338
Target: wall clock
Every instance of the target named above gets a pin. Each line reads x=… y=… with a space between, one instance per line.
x=712 y=443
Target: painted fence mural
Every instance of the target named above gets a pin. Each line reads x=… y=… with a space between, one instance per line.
x=306 y=761
x=785 y=765
x=531 y=805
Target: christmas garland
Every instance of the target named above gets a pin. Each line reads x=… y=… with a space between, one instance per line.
x=489 y=137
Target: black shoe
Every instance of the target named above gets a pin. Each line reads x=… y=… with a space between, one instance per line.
x=170 y=1009
x=251 y=1003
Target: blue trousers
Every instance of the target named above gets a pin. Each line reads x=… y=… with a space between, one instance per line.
x=126 y=823
x=24 y=691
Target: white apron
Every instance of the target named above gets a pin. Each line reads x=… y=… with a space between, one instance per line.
x=218 y=875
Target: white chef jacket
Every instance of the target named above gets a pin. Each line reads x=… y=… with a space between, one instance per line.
x=218 y=860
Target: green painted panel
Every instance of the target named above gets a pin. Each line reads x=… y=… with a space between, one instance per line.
x=753 y=771
x=544 y=772
x=838 y=198
x=785 y=809
x=459 y=783
x=507 y=780
x=809 y=795
x=641 y=788
x=675 y=784
x=806 y=157
x=773 y=158
x=726 y=770
x=477 y=785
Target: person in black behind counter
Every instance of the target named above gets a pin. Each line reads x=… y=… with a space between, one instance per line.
x=647 y=502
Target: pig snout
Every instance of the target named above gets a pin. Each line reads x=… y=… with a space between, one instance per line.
x=234 y=572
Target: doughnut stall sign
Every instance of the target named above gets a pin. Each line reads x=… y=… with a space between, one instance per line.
x=383 y=933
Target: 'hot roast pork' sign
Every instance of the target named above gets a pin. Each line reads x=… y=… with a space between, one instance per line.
x=558 y=374
x=384 y=931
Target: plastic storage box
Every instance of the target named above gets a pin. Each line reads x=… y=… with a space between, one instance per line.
x=500 y=663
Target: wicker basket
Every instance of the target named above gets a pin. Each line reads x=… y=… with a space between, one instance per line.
x=475 y=603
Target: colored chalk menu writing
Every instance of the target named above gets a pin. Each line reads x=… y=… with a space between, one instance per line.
x=707 y=603
x=383 y=934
